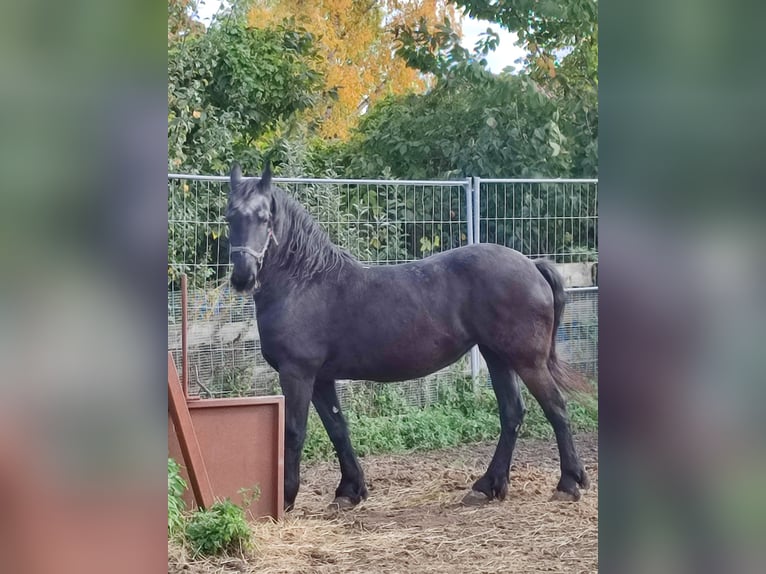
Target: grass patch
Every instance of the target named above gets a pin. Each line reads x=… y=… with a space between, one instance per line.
x=176 y=505
x=383 y=422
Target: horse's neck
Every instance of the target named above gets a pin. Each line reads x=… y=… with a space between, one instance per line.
x=311 y=228
x=315 y=259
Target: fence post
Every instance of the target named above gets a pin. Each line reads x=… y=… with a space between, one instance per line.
x=471 y=236
x=477 y=208
x=475 y=358
x=469 y=210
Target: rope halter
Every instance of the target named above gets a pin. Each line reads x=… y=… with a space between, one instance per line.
x=261 y=253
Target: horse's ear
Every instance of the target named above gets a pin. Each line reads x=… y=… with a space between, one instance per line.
x=265 y=183
x=236 y=174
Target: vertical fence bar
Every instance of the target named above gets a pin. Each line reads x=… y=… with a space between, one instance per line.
x=471 y=236
x=477 y=207
x=469 y=210
x=475 y=367
x=184 y=343
x=476 y=188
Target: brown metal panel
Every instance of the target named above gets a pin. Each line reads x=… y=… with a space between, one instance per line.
x=187 y=439
x=242 y=441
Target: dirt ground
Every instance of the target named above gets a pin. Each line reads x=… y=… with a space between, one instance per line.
x=413 y=521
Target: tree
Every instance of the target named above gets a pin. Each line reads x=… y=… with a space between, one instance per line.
x=357 y=41
x=505 y=126
x=557 y=36
x=229 y=86
x=561 y=43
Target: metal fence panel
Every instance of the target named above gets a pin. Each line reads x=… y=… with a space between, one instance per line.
x=550 y=218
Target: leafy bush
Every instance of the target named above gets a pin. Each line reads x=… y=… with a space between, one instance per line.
x=222 y=529
x=176 y=505
x=232 y=84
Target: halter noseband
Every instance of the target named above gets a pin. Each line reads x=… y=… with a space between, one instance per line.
x=257 y=255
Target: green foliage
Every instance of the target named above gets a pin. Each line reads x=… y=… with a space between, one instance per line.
x=560 y=41
x=460 y=416
x=504 y=127
x=440 y=52
x=232 y=381
x=229 y=86
x=180 y=22
x=221 y=529
x=501 y=126
x=176 y=505
x=551 y=32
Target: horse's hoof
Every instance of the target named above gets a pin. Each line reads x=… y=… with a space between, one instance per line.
x=475 y=498
x=341 y=503
x=561 y=496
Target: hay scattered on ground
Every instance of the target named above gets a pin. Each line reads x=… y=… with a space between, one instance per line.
x=414 y=522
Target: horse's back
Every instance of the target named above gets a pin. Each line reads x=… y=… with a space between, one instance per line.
x=439 y=307
x=479 y=270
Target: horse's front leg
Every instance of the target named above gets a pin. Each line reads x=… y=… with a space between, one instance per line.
x=297 y=388
x=351 y=490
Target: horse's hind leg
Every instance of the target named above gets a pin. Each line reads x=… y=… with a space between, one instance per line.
x=541 y=384
x=351 y=490
x=494 y=483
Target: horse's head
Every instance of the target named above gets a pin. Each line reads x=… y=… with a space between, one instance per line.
x=250 y=215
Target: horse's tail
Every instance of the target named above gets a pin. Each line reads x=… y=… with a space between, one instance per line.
x=566 y=378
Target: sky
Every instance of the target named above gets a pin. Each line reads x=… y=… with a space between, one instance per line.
x=505 y=54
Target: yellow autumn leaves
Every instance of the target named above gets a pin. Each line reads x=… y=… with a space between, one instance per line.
x=357 y=40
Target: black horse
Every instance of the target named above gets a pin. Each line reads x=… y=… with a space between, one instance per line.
x=323 y=316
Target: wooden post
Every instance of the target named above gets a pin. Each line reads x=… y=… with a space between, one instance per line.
x=187 y=439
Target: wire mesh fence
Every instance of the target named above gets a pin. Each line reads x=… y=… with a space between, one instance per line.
x=380 y=222
x=556 y=219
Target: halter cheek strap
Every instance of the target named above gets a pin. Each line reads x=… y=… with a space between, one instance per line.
x=260 y=254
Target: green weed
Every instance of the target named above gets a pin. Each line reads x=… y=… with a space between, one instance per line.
x=221 y=529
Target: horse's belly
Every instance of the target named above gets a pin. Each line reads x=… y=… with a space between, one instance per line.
x=398 y=362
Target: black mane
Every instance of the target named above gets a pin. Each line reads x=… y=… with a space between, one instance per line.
x=305 y=248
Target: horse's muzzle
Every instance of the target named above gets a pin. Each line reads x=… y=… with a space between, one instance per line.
x=243 y=282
